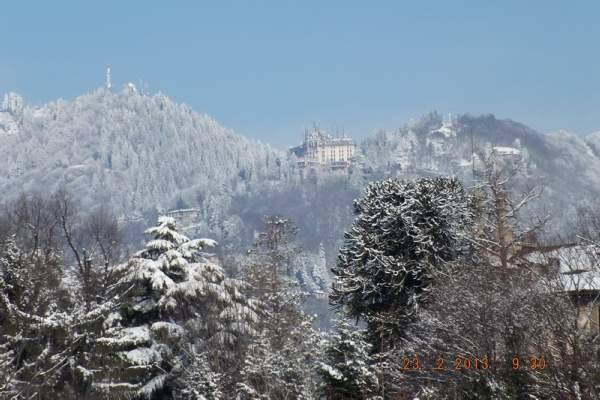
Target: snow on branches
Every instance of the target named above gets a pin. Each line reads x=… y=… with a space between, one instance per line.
x=402 y=231
x=172 y=294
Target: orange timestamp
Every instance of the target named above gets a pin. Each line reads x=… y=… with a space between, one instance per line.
x=467 y=363
x=531 y=362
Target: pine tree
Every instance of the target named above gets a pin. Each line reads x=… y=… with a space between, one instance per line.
x=279 y=363
x=402 y=231
x=347 y=371
x=284 y=372
x=269 y=275
x=320 y=272
x=197 y=381
x=11 y=282
x=34 y=343
x=169 y=290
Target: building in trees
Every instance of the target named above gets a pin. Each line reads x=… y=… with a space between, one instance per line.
x=322 y=151
x=578 y=273
x=185 y=216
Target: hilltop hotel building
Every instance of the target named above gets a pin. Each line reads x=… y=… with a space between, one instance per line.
x=324 y=151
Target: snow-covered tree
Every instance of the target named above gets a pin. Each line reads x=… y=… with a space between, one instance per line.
x=507 y=229
x=280 y=362
x=507 y=323
x=402 y=231
x=168 y=290
x=346 y=371
x=197 y=381
x=12 y=281
x=319 y=274
x=34 y=337
x=268 y=271
x=284 y=368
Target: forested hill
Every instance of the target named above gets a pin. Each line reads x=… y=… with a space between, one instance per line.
x=566 y=165
x=133 y=151
x=139 y=154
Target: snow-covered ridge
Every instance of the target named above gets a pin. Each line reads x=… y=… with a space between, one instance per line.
x=130 y=150
x=565 y=164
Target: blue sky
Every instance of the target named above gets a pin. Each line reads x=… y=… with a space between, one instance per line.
x=269 y=68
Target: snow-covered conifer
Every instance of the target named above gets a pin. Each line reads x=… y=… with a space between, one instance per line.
x=280 y=362
x=34 y=345
x=169 y=289
x=401 y=232
x=285 y=372
x=347 y=371
x=197 y=381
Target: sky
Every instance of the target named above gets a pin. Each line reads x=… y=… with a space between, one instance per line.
x=269 y=69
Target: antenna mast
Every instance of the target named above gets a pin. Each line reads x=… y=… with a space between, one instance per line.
x=108 y=82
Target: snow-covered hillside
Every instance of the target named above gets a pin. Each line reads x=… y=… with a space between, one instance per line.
x=137 y=153
x=132 y=151
x=565 y=164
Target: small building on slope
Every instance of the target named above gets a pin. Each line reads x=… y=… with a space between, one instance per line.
x=578 y=268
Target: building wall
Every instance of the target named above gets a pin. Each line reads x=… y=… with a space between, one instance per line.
x=324 y=153
x=320 y=150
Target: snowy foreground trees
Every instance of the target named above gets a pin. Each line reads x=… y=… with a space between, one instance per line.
x=441 y=292
x=169 y=291
x=165 y=324
x=462 y=296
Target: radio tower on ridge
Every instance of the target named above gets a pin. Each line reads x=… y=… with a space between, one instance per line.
x=108 y=82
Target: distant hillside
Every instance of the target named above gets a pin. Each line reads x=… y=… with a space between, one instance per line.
x=565 y=164
x=141 y=154
x=132 y=151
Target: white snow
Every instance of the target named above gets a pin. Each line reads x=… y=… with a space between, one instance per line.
x=333 y=372
x=145 y=305
x=134 y=336
x=146 y=151
x=447 y=130
x=153 y=385
x=172 y=330
x=142 y=356
x=111 y=319
x=8 y=126
x=505 y=150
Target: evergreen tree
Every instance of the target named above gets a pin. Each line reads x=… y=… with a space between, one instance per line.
x=346 y=372
x=284 y=372
x=402 y=231
x=11 y=283
x=169 y=289
x=34 y=343
x=320 y=272
x=269 y=275
x=197 y=381
x=279 y=363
